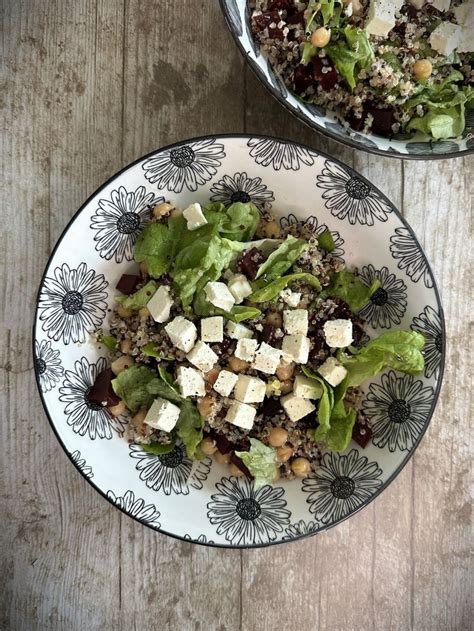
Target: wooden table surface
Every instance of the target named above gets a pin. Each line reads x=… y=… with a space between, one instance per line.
x=87 y=87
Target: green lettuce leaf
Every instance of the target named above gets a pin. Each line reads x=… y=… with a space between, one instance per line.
x=282 y=258
x=203 y=308
x=140 y=298
x=350 y=288
x=238 y=222
x=351 y=56
x=309 y=51
x=441 y=124
x=158 y=449
x=150 y=350
x=189 y=429
x=261 y=461
x=271 y=291
x=325 y=404
x=139 y=386
x=153 y=248
x=109 y=341
x=326 y=241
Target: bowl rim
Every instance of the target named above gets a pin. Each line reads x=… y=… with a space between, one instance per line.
x=237 y=136
x=353 y=144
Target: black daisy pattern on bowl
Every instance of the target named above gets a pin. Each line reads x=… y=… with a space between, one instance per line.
x=278 y=154
x=72 y=302
x=48 y=365
x=349 y=197
x=172 y=472
x=186 y=166
x=388 y=303
x=81 y=464
x=399 y=407
x=246 y=516
x=136 y=508
x=200 y=539
x=119 y=220
x=341 y=485
x=410 y=258
x=317 y=228
x=241 y=188
x=436 y=147
x=300 y=529
x=86 y=418
x=429 y=323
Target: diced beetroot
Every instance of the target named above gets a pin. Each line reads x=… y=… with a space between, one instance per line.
x=302 y=78
x=250 y=262
x=280 y=5
x=102 y=393
x=271 y=408
x=296 y=18
x=383 y=120
x=265 y=19
x=222 y=347
x=358 y=333
x=268 y=335
x=318 y=344
x=239 y=463
x=275 y=33
x=362 y=434
x=223 y=444
x=327 y=79
x=128 y=283
x=356 y=123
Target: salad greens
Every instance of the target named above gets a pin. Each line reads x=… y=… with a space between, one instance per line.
x=282 y=258
x=261 y=461
x=238 y=222
x=140 y=298
x=349 y=287
x=109 y=341
x=271 y=290
x=326 y=241
x=353 y=55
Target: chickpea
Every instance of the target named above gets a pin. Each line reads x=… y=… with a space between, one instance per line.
x=162 y=210
x=320 y=37
x=286 y=386
x=138 y=419
x=274 y=319
x=284 y=453
x=144 y=313
x=221 y=458
x=356 y=6
x=143 y=268
x=124 y=312
x=205 y=406
x=237 y=365
x=123 y=362
x=422 y=69
x=301 y=467
x=285 y=371
x=126 y=346
x=235 y=471
x=272 y=230
x=176 y=212
x=208 y=446
x=277 y=436
x=211 y=376
x=118 y=410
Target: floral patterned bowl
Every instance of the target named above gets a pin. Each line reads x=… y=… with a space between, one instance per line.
x=420 y=146
x=77 y=290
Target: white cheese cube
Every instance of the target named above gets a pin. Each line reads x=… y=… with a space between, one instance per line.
x=212 y=329
x=296 y=407
x=338 y=333
x=296 y=347
x=225 y=382
x=249 y=389
x=238 y=331
x=332 y=371
x=306 y=388
x=162 y=415
x=441 y=5
x=466 y=40
x=194 y=216
x=191 y=382
x=267 y=359
x=182 y=333
x=445 y=38
x=465 y=13
x=202 y=356
x=381 y=16
x=241 y=414
x=239 y=287
x=292 y=298
x=246 y=349
x=219 y=295
x=160 y=304
x=296 y=321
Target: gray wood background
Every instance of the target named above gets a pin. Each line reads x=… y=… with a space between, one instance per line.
x=88 y=86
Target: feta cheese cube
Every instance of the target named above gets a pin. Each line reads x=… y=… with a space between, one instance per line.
x=241 y=415
x=160 y=304
x=219 y=295
x=306 y=388
x=212 y=329
x=239 y=287
x=225 y=382
x=246 y=349
x=296 y=347
x=296 y=407
x=381 y=16
x=267 y=359
x=194 y=216
x=292 y=298
x=296 y=321
x=202 y=356
x=238 y=331
x=332 y=371
x=182 y=333
x=162 y=415
x=249 y=389
x=445 y=38
x=338 y=333
x=441 y=5
x=191 y=382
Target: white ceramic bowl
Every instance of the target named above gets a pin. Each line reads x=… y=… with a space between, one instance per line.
x=199 y=501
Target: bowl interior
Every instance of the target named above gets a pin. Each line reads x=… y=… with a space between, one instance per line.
x=199 y=501
x=420 y=146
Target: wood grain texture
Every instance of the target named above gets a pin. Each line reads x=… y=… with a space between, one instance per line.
x=88 y=86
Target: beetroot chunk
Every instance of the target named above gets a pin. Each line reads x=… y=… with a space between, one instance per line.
x=250 y=262
x=327 y=78
x=102 y=393
x=127 y=283
x=361 y=434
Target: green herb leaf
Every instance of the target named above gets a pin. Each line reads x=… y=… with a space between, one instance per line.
x=109 y=341
x=189 y=429
x=350 y=288
x=271 y=291
x=355 y=52
x=282 y=258
x=238 y=222
x=261 y=461
x=150 y=350
x=326 y=241
x=140 y=298
x=309 y=51
x=153 y=248
x=131 y=385
x=158 y=449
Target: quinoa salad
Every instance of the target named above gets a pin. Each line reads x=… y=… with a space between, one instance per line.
x=391 y=67
x=240 y=340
